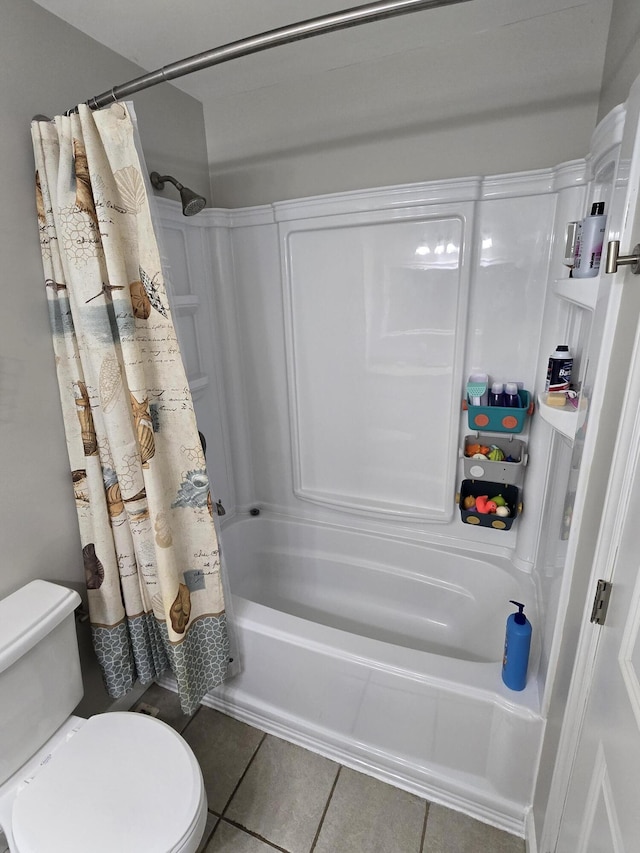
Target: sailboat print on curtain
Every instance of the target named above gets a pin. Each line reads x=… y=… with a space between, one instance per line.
x=151 y=560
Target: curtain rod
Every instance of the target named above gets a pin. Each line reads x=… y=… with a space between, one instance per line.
x=273 y=38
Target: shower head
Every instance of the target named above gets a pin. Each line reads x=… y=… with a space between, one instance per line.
x=192 y=203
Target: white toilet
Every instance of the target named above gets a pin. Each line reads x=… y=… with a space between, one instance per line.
x=116 y=783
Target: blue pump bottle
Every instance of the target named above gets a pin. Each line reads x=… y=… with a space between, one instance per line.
x=517 y=645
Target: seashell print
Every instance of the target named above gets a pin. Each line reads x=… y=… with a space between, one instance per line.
x=131 y=188
x=84 y=193
x=115 y=503
x=141 y=511
x=109 y=382
x=163 y=530
x=194 y=490
x=80 y=486
x=39 y=199
x=137 y=497
x=144 y=429
x=140 y=302
x=153 y=291
x=87 y=429
x=93 y=568
x=180 y=609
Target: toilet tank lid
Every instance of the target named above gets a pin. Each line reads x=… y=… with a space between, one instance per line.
x=29 y=614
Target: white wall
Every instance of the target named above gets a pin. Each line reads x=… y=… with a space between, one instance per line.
x=485 y=97
x=47 y=66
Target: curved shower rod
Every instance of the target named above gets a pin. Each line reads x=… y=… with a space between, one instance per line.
x=273 y=38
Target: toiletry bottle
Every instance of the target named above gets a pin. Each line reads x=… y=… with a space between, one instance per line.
x=517 y=645
x=496 y=397
x=559 y=370
x=511 y=399
x=587 y=260
x=572 y=243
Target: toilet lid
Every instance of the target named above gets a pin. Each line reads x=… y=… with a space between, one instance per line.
x=125 y=782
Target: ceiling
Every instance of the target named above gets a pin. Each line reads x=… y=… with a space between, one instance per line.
x=152 y=34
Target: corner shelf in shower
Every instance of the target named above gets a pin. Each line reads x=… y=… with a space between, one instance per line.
x=566 y=421
x=580 y=291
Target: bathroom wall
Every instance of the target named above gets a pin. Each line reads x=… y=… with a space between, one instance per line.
x=622 y=58
x=47 y=66
x=411 y=114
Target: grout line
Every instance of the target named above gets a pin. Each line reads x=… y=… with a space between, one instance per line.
x=325 y=810
x=424 y=827
x=249 y=763
x=253 y=834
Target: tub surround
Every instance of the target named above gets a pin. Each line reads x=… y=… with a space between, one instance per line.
x=329 y=341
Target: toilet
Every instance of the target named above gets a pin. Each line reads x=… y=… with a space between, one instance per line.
x=115 y=783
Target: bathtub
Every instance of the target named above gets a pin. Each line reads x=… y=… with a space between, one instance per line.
x=384 y=655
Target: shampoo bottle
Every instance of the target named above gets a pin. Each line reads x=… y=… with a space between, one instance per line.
x=496 y=397
x=587 y=260
x=511 y=398
x=517 y=645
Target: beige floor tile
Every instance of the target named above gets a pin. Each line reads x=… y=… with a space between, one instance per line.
x=229 y=839
x=168 y=705
x=283 y=795
x=367 y=815
x=452 y=832
x=224 y=747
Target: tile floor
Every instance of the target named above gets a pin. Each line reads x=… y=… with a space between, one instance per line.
x=266 y=794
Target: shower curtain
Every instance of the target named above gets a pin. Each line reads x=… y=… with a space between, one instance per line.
x=145 y=511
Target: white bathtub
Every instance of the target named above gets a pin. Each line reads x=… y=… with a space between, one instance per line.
x=384 y=655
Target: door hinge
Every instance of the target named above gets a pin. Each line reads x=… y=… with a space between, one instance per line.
x=601 y=602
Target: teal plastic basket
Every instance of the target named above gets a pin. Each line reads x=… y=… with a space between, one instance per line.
x=500 y=418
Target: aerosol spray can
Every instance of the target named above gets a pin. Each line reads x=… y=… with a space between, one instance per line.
x=559 y=370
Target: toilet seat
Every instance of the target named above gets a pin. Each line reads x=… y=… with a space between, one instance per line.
x=125 y=782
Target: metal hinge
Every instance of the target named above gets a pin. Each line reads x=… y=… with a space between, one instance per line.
x=601 y=602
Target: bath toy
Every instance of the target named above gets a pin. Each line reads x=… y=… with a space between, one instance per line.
x=503 y=511
x=484 y=505
x=495 y=454
x=499 y=500
x=478 y=456
x=469 y=502
x=473 y=449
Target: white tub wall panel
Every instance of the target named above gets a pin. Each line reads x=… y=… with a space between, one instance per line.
x=513 y=240
x=265 y=476
x=373 y=412
x=185 y=250
x=505 y=206
x=547 y=477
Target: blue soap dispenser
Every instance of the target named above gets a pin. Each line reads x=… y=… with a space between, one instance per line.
x=517 y=644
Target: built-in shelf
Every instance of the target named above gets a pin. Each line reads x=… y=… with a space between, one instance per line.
x=197 y=385
x=565 y=420
x=186 y=304
x=580 y=291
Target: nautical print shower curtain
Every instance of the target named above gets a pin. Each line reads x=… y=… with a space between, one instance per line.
x=144 y=507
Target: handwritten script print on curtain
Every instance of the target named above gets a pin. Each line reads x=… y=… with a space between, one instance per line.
x=139 y=478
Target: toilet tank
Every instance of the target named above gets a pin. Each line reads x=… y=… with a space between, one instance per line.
x=40 y=680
